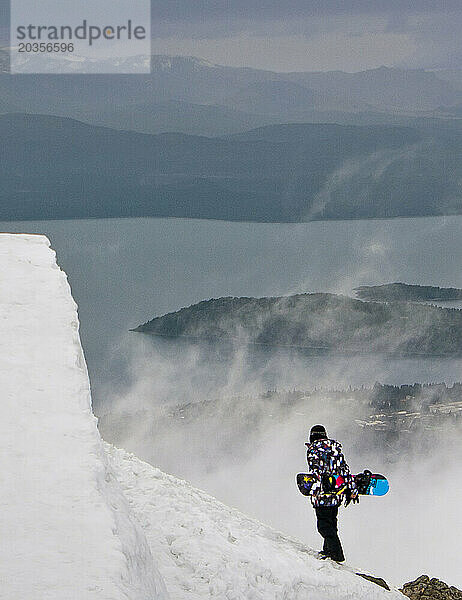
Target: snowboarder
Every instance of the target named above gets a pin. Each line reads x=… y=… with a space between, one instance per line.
x=326 y=461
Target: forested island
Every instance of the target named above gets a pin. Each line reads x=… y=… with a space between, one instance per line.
x=398 y=292
x=318 y=322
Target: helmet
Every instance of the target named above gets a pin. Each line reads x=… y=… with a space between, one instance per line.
x=318 y=432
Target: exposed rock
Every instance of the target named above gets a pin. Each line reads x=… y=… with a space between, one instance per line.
x=377 y=580
x=424 y=588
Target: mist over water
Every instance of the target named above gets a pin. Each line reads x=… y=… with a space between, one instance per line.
x=244 y=449
x=123 y=272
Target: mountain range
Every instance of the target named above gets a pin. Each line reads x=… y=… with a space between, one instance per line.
x=228 y=99
x=194 y=139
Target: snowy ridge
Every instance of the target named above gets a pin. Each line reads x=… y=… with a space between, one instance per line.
x=49 y=63
x=206 y=550
x=65 y=527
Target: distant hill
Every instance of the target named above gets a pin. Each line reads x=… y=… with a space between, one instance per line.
x=280 y=97
x=194 y=96
x=452 y=76
x=59 y=168
x=317 y=322
x=384 y=87
x=392 y=292
x=54 y=167
x=171 y=115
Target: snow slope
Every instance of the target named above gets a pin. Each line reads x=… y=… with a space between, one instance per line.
x=66 y=530
x=206 y=550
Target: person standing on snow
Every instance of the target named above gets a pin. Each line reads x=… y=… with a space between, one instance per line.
x=326 y=461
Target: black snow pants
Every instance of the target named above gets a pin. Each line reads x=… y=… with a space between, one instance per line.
x=327 y=527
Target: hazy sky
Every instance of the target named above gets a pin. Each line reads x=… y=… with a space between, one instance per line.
x=348 y=35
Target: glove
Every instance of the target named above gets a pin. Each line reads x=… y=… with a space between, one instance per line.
x=351 y=497
x=347 y=497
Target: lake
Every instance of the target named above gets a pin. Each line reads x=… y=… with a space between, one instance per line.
x=123 y=272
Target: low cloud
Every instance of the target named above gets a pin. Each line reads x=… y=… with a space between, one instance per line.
x=212 y=425
x=311 y=36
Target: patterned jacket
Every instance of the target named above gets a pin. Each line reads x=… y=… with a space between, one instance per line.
x=326 y=457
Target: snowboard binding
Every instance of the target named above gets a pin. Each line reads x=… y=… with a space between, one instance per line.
x=363 y=481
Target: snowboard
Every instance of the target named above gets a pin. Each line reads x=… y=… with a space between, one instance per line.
x=368 y=484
